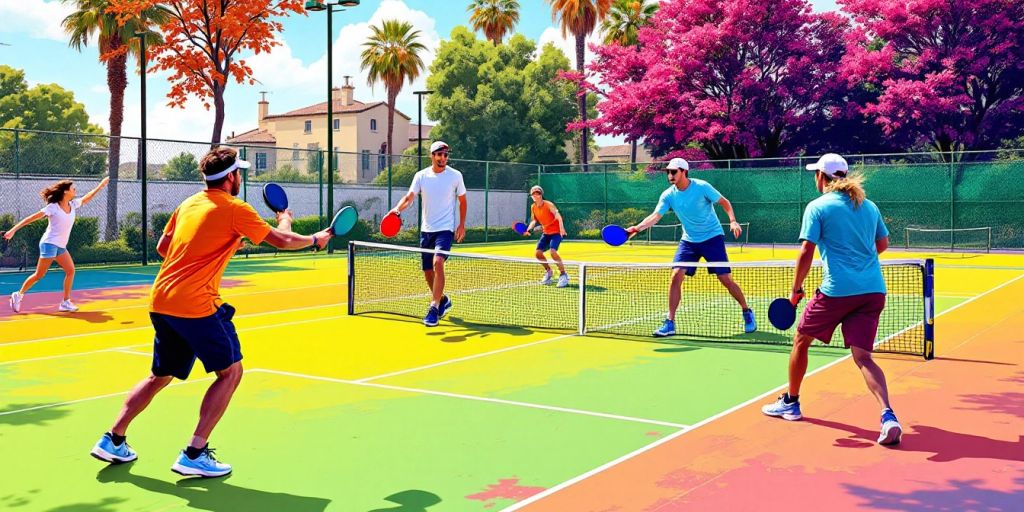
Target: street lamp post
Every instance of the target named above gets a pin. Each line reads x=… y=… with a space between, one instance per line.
x=317 y=6
x=419 y=145
x=142 y=144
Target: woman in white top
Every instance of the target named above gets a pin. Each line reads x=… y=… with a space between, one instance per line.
x=61 y=209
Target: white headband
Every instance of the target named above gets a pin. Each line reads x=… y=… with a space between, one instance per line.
x=225 y=172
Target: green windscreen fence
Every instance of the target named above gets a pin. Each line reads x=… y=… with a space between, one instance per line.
x=959 y=206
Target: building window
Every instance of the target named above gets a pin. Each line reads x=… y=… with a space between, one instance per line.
x=366 y=159
x=373 y=125
x=261 y=161
x=337 y=163
x=337 y=124
x=295 y=151
x=308 y=127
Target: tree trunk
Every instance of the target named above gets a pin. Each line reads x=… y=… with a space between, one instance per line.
x=117 y=82
x=218 y=114
x=392 y=97
x=585 y=133
x=632 y=154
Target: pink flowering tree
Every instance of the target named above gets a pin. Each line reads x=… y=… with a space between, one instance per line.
x=946 y=72
x=737 y=78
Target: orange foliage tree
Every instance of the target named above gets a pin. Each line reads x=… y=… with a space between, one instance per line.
x=203 y=40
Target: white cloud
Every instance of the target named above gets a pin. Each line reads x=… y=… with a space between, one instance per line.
x=285 y=75
x=37 y=18
x=568 y=44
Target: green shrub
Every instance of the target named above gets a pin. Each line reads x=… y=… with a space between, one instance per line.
x=114 y=251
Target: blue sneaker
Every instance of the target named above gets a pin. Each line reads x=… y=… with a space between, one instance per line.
x=107 y=451
x=444 y=307
x=668 y=328
x=891 y=430
x=781 y=409
x=749 y=324
x=205 y=465
x=431 y=319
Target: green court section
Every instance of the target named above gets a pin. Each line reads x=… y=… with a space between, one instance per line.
x=680 y=383
x=305 y=445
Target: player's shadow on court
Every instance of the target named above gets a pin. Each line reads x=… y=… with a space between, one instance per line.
x=213 y=494
x=35 y=417
x=465 y=330
x=966 y=494
x=945 y=446
x=413 y=500
x=93 y=317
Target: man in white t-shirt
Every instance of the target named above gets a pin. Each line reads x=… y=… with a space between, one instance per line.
x=439 y=186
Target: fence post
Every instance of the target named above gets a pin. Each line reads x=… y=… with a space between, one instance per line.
x=320 y=188
x=245 y=175
x=487 y=197
x=605 y=195
x=952 y=203
x=17 y=154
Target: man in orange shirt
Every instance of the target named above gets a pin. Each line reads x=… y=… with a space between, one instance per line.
x=544 y=213
x=186 y=310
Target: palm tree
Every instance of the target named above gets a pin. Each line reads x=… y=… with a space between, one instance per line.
x=580 y=18
x=625 y=19
x=494 y=17
x=392 y=56
x=91 y=20
x=622 y=26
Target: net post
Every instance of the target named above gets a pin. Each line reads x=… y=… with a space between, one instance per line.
x=929 y=309
x=351 y=278
x=583 y=300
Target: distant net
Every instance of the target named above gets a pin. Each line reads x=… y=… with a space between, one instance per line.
x=959 y=239
x=620 y=299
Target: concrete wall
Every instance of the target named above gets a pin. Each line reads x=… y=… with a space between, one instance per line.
x=21 y=198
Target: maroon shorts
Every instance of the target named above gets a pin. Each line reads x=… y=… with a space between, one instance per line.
x=858 y=313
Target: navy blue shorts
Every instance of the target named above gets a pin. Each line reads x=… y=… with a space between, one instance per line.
x=179 y=341
x=549 y=242
x=437 y=240
x=712 y=250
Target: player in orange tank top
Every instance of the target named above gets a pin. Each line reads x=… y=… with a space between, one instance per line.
x=544 y=213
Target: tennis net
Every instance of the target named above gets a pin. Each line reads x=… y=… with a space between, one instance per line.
x=623 y=299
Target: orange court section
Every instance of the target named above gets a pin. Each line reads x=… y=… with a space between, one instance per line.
x=962 y=446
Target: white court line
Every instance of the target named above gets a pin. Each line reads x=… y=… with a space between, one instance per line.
x=98 y=397
x=472 y=397
x=146 y=303
x=149 y=327
x=122 y=349
x=465 y=358
x=599 y=469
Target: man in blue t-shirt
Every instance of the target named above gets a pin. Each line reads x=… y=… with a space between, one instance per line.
x=694 y=201
x=848 y=230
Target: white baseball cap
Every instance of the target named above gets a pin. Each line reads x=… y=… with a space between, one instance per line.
x=678 y=163
x=438 y=145
x=831 y=164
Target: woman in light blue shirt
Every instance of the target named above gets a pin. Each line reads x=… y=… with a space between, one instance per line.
x=849 y=232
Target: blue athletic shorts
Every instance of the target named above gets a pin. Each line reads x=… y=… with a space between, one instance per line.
x=712 y=250
x=549 y=242
x=50 y=250
x=179 y=341
x=437 y=240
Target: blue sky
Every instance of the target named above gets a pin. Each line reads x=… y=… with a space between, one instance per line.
x=294 y=74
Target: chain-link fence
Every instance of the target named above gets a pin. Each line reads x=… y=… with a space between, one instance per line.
x=929 y=200
x=110 y=228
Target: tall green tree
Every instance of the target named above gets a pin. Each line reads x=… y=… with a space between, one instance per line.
x=391 y=56
x=622 y=26
x=494 y=18
x=183 y=167
x=580 y=18
x=500 y=103
x=91 y=19
x=51 y=108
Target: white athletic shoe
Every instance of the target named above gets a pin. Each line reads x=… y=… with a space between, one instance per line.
x=563 y=280
x=67 y=306
x=547 y=278
x=16 y=301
